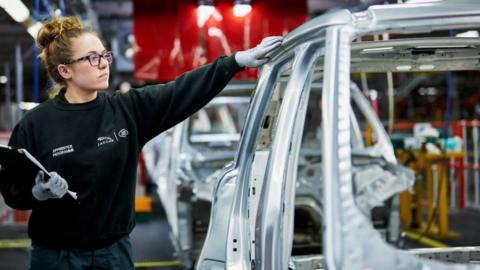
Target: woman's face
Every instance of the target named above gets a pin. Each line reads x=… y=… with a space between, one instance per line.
x=92 y=72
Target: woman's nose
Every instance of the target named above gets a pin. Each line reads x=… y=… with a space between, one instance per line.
x=103 y=62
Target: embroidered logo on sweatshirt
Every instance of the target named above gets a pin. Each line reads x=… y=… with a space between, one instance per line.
x=123 y=133
x=62 y=150
x=104 y=140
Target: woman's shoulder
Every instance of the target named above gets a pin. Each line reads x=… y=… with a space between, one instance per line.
x=111 y=96
x=37 y=110
x=118 y=95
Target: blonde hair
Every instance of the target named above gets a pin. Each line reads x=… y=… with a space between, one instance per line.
x=54 y=43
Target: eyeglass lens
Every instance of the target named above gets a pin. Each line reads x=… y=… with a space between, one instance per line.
x=95 y=59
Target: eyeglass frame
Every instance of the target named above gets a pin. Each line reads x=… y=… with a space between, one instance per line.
x=87 y=57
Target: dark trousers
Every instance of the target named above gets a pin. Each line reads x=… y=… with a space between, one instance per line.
x=116 y=256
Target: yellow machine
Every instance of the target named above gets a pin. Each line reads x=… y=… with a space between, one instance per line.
x=435 y=185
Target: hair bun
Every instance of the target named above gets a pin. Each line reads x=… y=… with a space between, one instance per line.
x=56 y=27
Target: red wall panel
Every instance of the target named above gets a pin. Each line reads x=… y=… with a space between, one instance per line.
x=169 y=42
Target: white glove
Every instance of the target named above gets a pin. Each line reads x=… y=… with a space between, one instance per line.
x=54 y=188
x=257 y=56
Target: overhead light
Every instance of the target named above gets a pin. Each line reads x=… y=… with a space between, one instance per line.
x=427 y=91
x=131 y=38
x=468 y=34
x=404 y=67
x=20 y=13
x=440 y=46
x=129 y=53
x=426 y=67
x=3 y=79
x=16 y=9
x=27 y=105
x=214 y=32
x=422 y=1
x=33 y=29
x=58 y=12
x=205 y=9
x=377 y=50
x=242 y=8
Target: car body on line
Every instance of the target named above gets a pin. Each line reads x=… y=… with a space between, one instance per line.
x=252 y=222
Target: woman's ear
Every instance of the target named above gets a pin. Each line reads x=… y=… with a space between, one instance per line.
x=64 y=71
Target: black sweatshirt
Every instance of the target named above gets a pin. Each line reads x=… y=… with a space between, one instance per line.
x=95 y=147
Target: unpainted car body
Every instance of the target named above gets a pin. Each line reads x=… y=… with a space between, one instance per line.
x=192 y=154
x=184 y=163
x=250 y=230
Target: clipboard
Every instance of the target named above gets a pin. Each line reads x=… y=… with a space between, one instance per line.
x=24 y=164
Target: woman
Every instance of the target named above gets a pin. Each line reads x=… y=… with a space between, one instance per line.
x=90 y=141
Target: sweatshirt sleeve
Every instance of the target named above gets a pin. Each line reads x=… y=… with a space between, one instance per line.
x=160 y=107
x=16 y=192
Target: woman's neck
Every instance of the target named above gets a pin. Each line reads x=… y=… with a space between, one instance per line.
x=76 y=97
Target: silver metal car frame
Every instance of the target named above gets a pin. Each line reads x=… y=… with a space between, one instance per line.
x=350 y=242
x=170 y=160
x=340 y=236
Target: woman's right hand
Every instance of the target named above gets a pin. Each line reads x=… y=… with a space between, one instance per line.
x=258 y=56
x=54 y=188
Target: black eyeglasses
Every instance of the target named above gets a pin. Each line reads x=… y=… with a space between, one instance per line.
x=94 y=58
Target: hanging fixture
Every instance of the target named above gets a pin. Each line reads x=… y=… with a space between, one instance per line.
x=16 y=9
x=241 y=8
x=20 y=13
x=205 y=9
